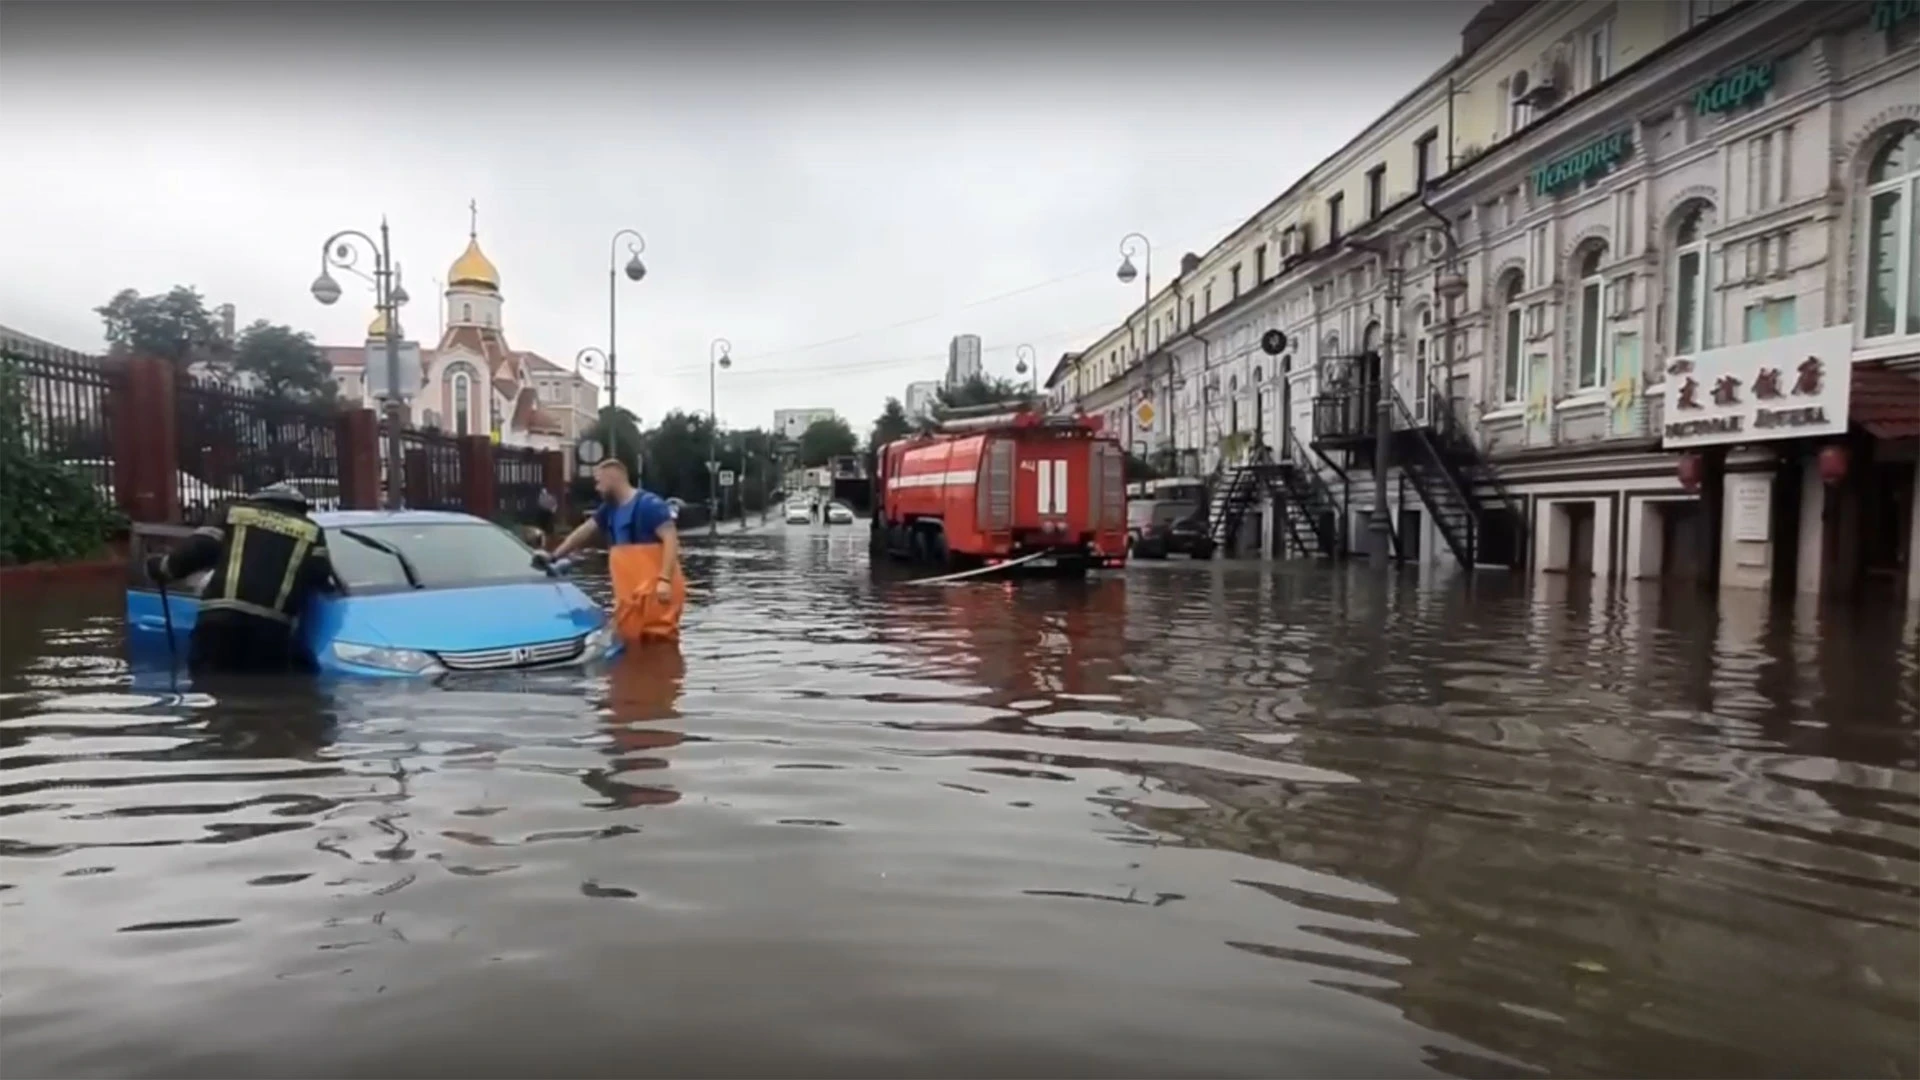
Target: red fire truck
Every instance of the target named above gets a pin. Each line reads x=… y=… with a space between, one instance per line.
x=993 y=485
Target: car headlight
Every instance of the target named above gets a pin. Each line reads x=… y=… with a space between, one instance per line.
x=598 y=642
x=410 y=661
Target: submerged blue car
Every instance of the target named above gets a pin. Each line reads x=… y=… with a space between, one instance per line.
x=421 y=593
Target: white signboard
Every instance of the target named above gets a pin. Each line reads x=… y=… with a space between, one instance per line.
x=1750 y=496
x=409 y=353
x=726 y=477
x=1786 y=388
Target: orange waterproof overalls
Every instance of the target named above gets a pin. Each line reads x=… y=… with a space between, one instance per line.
x=635 y=560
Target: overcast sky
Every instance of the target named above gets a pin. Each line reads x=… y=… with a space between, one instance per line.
x=838 y=190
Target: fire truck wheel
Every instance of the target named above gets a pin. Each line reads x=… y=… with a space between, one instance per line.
x=917 y=546
x=937 y=553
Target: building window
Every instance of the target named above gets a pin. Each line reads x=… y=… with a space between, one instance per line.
x=1771 y=319
x=1423 y=158
x=1234 y=274
x=1189 y=311
x=1206 y=297
x=1692 y=323
x=1519 y=115
x=1333 y=216
x=1510 y=361
x=1422 y=357
x=462 y=391
x=1699 y=11
x=1593 y=323
x=1260 y=264
x=1376 y=190
x=466 y=313
x=1599 y=54
x=1893 y=237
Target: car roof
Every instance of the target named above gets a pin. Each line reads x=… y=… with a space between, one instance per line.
x=346 y=518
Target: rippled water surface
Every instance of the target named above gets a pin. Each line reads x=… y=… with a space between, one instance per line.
x=1191 y=820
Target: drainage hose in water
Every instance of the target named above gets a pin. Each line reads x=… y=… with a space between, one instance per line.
x=978 y=570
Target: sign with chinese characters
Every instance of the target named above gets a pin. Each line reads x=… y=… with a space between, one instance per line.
x=1590 y=161
x=1783 y=388
x=1734 y=88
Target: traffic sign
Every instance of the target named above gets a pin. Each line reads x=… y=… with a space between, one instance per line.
x=726 y=477
x=590 y=450
x=1143 y=414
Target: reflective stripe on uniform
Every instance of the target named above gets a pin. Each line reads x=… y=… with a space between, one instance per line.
x=246 y=608
x=293 y=572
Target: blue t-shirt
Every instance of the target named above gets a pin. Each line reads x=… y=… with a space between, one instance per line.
x=637 y=521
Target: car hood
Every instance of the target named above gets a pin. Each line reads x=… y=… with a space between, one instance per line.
x=459 y=620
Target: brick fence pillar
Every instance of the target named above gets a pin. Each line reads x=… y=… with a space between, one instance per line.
x=357 y=441
x=143 y=407
x=477 y=481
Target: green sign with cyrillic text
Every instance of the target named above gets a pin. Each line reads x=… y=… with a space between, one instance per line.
x=1590 y=161
x=1734 y=89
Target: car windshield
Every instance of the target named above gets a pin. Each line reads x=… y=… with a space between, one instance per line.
x=445 y=555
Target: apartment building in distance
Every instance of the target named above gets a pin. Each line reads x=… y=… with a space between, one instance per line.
x=790 y=424
x=963 y=358
x=1636 y=283
x=921 y=397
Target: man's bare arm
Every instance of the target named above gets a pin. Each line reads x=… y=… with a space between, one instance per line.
x=577 y=539
x=669 y=552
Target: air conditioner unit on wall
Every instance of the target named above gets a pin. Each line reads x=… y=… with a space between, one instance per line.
x=1549 y=79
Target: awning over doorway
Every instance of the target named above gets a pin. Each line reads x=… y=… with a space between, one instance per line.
x=1886 y=403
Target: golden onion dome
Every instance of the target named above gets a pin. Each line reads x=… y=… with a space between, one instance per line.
x=473 y=268
x=378 y=327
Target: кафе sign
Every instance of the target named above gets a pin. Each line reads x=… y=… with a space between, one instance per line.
x=1786 y=388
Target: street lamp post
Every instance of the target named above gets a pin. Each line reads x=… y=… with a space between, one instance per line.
x=586 y=358
x=1027 y=361
x=635 y=271
x=718 y=356
x=389 y=295
x=1126 y=274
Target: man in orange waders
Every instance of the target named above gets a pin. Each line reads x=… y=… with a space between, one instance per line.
x=643 y=555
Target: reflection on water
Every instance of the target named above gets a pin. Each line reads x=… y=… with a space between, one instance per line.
x=1192 y=821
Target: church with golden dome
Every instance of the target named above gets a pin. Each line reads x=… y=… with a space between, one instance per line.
x=473 y=382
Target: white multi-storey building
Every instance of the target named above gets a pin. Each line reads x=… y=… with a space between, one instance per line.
x=1596 y=252
x=921 y=397
x=790 y=424
x=963 y=359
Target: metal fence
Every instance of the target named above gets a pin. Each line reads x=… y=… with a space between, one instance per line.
x=231 y=442
x=57 y=402
x=519 y=476
x=433 y=479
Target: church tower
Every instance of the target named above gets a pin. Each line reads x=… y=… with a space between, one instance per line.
x=473 y=285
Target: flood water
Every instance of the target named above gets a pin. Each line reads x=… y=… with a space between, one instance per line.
x=1189 y=820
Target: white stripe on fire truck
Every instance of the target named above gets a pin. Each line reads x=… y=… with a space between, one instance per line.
x=957 y=476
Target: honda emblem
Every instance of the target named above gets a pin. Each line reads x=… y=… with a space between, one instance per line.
x=522 y=655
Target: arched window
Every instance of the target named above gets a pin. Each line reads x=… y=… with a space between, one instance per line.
x=1510 y=388
x=1422 y=354
x=1593 y=315
x=1258 y=374
x=1893 y=237
x=1692 y=305
x=466 y=313
x=462 y=395
x=1233 y=405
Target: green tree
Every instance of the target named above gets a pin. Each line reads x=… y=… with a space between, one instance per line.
x=47 y=510
x=174 y=326
x=980 y=390
x=677 y=457
x=619 y=431
x=825 y=440
x=891 y=424
x=284 y=362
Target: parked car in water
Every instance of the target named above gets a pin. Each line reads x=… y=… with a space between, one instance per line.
x=839 y=514
x=421 y=593
x=1168 y=516
x=799 y=512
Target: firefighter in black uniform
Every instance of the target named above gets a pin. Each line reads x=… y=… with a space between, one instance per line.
x=267 y=559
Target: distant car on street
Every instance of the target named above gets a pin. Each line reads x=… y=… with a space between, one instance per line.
x=799 y=513
x=839 y=514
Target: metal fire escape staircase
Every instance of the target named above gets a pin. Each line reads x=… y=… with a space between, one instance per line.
x=1445 y=468
x=1300 y=496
